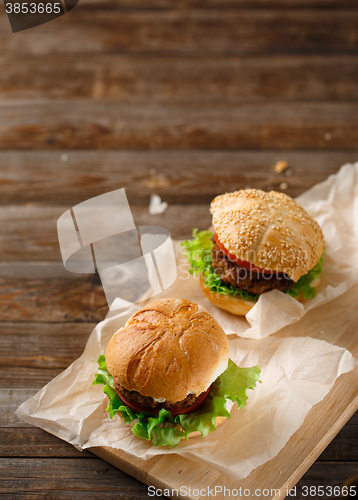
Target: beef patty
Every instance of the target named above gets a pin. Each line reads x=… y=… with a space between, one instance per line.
x=251 y=281
x=148 y=402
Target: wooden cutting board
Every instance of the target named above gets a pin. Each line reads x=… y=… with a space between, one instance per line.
x=335 y=322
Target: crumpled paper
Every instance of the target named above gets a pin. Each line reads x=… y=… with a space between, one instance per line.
x=297 y=372
x=334 y=205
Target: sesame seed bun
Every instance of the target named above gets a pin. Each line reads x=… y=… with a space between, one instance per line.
x=270 y=230
x=168 y=349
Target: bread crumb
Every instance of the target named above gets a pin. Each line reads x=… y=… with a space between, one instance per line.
x=156 y=205
x=280 y=166
x=283 y=185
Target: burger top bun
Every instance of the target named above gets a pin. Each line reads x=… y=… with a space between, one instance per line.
x=270 y=230
x=168 y=349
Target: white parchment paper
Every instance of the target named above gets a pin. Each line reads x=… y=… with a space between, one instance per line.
x=297 y=372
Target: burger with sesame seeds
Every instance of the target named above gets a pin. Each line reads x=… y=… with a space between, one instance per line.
x=261 y=242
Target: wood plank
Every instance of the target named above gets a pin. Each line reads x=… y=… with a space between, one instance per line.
x=129 y=493
x=33 y=442
x=10 y=399
x=48 y=346
x=23 y=376
x=183 y=32
x=209 y=4
x=332 y=473
x=71 y=477
x=95 y=76
x=185 y=177
x=345 y=444
x=28 y=477
x=47 y=292
x=232 y=124
x=30 y=233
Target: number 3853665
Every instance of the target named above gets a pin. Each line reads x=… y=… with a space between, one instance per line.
x=33 y=8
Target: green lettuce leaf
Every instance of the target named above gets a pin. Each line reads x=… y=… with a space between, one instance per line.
x=198 y=254
x=234 y=381
x=102 y=375
x=303 y=285
x=163 y=429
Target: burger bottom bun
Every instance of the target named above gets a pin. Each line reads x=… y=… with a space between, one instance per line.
x=218 y=421
x=234 y=305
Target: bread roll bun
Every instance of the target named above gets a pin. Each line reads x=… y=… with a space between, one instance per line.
x=270 y=230
x=233 y=304
x=168 y=349
x=218 y=421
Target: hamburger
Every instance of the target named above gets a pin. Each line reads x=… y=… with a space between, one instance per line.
x=167 y=373
x=261 y=242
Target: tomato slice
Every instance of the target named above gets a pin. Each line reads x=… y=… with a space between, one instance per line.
x=242 y=263
x=173 y=411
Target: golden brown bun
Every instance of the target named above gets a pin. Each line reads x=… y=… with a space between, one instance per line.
x=219 y=421
x=270 y=230
x=168 y=349
x=235 y=305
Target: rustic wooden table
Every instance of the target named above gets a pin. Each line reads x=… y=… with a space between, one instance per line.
x=182 y=98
